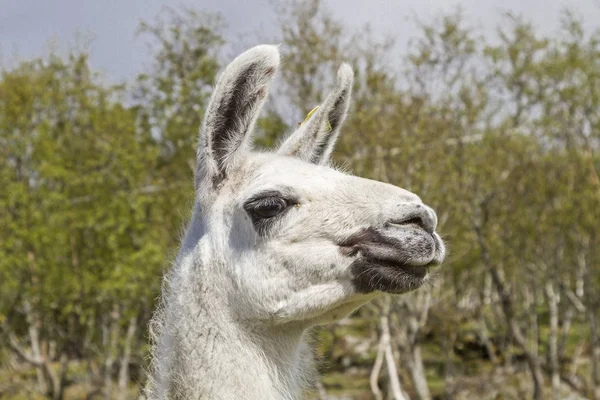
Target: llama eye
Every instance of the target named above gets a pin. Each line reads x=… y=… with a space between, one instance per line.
x=267 y=208
x=270 y=207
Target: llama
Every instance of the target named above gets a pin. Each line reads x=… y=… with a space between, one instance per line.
x=278 y=242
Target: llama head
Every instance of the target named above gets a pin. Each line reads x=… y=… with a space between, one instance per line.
x=282 y=236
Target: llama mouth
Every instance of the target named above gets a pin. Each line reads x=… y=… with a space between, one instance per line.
x=370 y=275
x=392 y=261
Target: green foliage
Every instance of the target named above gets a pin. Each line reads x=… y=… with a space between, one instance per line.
x=500 y=136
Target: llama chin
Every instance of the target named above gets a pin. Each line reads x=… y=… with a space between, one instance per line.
x=278 y=242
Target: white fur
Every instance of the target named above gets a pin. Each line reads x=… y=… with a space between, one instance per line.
x=236 y=305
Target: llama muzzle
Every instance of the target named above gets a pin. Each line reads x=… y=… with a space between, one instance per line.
x=395 y=256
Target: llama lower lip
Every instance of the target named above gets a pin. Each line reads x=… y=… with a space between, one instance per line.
x=387 y=276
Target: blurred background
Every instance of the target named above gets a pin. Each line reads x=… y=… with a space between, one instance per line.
x=491 y=113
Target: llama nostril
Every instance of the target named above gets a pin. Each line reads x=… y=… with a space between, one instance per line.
x=420 y=217
x=410 y=221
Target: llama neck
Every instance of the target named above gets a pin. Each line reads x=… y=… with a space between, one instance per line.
x=205 y=352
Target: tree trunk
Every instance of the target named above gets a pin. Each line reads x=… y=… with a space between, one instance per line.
x=54 y=383
x=34 y=340
x=110 y=333
x=418 y=374
x=397 y=392
x=448 y=347
x=483 y=335
x=124 y=368
x=589 y=294
x=511 y=319
x=374 y=377
x=565 y=330
x=534 y=332
x=386 y=344
x=595 y=344
x=552 y=297
x=48 y=380
x=417 y=317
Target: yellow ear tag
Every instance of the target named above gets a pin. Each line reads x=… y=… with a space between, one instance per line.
x=310 y=113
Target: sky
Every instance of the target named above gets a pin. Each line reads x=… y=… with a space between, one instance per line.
x=28 y=28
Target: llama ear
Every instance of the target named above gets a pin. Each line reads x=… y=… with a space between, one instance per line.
x=232 y=111
x=315 y=139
